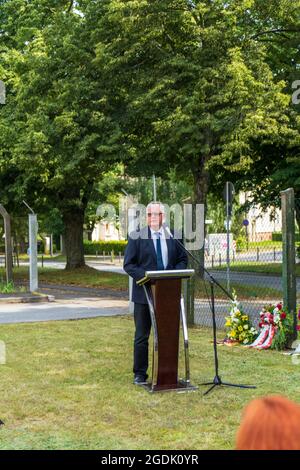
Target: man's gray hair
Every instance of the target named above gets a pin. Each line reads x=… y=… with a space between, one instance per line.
x=161 y=206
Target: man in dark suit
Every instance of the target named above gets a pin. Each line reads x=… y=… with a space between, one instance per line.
x=150 y=249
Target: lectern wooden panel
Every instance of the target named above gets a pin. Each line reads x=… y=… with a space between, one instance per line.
x=163 y=292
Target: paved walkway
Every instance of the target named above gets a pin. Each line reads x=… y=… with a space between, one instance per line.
x=72 y=303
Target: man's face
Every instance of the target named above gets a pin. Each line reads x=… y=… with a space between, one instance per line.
x=154 y=216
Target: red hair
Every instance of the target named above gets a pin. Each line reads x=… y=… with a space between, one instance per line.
x=270 y=423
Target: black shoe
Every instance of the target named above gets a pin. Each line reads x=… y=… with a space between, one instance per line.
x=139 y=380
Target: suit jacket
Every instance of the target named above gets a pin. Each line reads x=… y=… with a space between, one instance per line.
x=140 y=256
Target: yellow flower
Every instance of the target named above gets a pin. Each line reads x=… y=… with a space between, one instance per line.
x=232 y=333
x=228 y=323
x=240 y=328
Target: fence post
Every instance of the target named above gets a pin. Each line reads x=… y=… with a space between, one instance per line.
x=288 y=254
x=189 y=296
x=8 y=245
x=33 y=260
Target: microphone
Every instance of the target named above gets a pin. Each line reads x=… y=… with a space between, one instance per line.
x=167 y=229
x=171 y=235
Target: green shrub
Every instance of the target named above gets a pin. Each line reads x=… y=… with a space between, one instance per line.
x=277 y=237
x=241 y=243
x=93 y=248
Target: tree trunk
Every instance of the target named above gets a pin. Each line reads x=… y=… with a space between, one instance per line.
x=73 y=238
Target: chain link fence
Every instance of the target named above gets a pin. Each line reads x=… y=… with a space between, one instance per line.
x=20 y=243
x=250 y=265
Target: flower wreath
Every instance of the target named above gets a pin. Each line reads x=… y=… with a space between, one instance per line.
x=275 y=327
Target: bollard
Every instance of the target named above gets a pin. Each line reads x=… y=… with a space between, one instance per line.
x=274 y=253
x=42 y=261
x=212 y=261
x=120 y=257
x=112 y=256
x=257 y=254
x=220 y=259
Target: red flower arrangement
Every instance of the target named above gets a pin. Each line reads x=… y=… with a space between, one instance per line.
x=275 y=317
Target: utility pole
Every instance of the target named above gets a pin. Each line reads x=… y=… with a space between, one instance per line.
x=228 y=196
x=154 y=188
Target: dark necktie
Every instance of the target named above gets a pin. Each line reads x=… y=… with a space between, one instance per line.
x=159 y=260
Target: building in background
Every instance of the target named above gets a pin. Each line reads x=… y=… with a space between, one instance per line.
x=105 y=231
x=262 y=223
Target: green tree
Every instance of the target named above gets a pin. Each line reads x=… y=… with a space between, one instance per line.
x=196 y=85
x=58 y=136
x=275 y=166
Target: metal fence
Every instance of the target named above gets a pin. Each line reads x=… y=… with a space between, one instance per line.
x=19 y=238
x=253 y=269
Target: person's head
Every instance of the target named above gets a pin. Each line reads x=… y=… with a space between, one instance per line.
x=270 y=423
x=155 y=215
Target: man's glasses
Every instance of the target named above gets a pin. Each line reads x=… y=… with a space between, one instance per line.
x=154 y=214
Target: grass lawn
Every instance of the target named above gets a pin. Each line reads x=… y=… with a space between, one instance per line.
x=267 y=244
x=67 y=385
x=86 y=277
x=56 y=258
x=244 y=291
x=256 y=267
x=90 y=277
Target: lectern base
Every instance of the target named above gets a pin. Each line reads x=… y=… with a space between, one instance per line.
x=181 y=386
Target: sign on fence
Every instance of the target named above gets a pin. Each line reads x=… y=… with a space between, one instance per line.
x=217 y=244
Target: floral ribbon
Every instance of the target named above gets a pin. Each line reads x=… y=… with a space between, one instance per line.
x=261 y=338
x=265 y=338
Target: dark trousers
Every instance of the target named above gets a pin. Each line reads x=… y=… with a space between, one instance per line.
x=142 y=322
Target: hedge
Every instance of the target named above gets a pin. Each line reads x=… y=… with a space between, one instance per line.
x=93 y=248
x=277 y=237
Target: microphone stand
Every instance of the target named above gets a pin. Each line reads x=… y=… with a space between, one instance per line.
x=217 y=379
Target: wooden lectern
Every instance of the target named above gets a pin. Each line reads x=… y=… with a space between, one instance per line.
x=163 y=293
